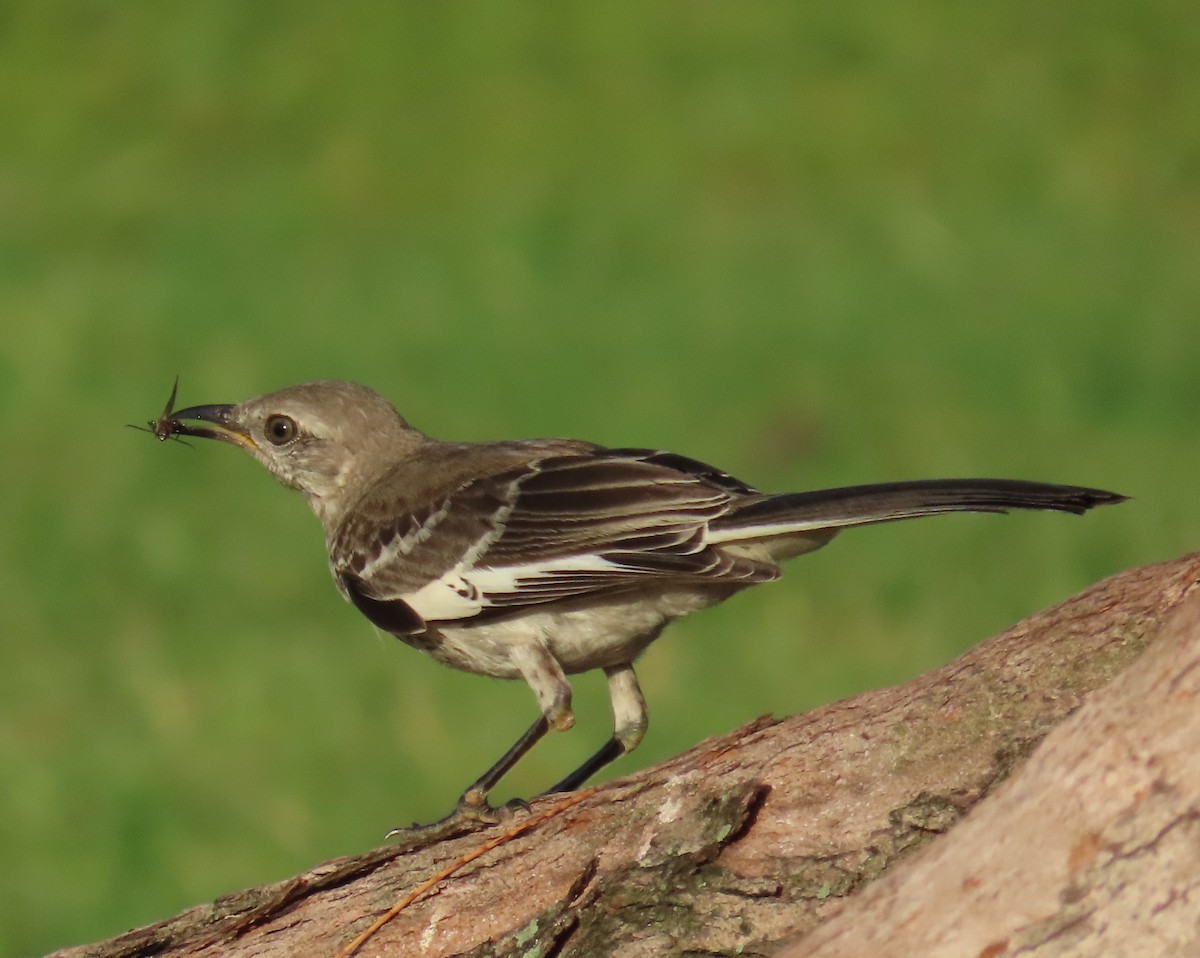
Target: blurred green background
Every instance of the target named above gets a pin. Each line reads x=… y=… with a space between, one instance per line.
x=816 y=244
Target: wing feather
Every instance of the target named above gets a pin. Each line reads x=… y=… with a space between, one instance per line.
x=559 y=528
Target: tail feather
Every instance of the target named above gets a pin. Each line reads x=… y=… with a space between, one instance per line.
x=772 y=515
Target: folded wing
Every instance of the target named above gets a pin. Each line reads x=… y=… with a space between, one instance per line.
x=557 y=529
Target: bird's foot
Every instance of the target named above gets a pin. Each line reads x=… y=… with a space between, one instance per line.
x=471 y=814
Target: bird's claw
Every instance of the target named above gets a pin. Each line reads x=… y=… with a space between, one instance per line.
x=471 y=814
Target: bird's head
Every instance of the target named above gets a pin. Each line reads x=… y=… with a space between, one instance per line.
x=328 y=440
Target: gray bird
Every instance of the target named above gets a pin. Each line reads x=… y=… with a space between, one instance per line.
x=542 y=558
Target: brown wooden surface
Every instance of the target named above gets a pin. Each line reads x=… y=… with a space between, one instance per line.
x=752 y=839
x=1091 y=848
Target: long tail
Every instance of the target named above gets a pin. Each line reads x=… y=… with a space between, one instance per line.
x=832 y=509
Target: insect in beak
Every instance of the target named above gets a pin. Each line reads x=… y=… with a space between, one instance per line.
x=166 y=426
x=214 y=421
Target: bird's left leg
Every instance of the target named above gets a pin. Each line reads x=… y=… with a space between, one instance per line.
x=629 y=727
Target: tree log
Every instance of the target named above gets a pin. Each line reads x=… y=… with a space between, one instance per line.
x=1092 y=848
x=811 y=825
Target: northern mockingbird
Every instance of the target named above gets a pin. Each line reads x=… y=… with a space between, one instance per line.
x=542 y=558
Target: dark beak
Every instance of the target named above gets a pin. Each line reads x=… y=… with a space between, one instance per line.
x=215 y=422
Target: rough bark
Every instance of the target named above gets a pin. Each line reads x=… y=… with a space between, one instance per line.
x=1092 y=848
x=782 y=827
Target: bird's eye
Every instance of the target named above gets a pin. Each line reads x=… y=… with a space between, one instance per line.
x=281 y=429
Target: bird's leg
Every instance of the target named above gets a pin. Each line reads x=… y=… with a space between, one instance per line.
x=475 y=797
x=545 y=676
x=472 y=809
x=629 y=727
x=553 y=692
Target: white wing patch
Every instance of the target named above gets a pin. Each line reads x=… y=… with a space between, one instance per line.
x=464 y=592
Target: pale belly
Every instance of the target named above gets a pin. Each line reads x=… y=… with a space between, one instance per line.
x=598 y=636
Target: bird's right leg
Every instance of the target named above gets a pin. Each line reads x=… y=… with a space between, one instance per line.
x=553 y=692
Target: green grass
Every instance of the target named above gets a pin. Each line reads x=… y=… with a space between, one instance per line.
x=814 y=244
